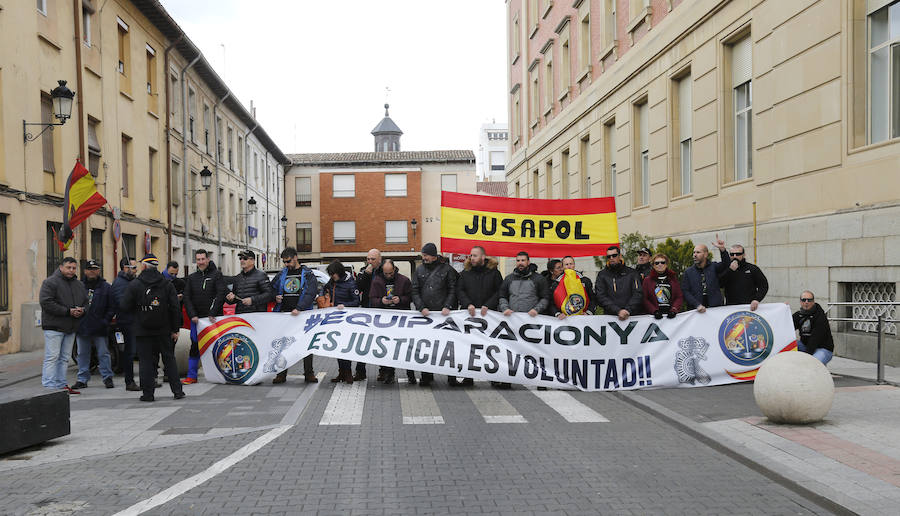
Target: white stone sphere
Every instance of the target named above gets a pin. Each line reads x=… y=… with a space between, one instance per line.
x=793 y=387
x=182 y=350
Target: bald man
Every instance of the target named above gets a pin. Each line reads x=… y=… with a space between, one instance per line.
x=700 y=283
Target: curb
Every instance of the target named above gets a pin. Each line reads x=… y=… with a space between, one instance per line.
x=820 y=494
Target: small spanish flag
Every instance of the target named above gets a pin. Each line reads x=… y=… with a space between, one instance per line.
x=570 y=296
x=82 y=199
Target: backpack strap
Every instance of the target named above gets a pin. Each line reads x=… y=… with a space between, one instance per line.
x=277 y=307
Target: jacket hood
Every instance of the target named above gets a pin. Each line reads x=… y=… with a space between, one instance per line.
x=531 y=269
x=150 y=276
x=124 y=276
x=58 y=273
x=347 y=277
x=489 y=263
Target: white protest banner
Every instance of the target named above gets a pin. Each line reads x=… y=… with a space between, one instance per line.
x=586 y=352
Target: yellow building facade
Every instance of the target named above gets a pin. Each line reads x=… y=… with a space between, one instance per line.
x=701 y=114
x=119 y=58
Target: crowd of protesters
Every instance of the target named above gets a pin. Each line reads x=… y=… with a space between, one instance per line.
x=143 y=311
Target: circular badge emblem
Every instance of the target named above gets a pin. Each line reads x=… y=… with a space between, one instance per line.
x=236 y=357
x=746 y=338
x=292 y=285
x=574 y=303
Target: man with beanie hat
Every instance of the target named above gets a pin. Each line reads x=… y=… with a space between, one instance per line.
x=154 y=302
x=434 y=288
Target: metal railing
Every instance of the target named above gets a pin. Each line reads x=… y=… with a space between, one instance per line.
x=880 y=321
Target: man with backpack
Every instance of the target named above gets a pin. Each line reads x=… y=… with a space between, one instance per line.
x=295 y=291
x=157 y=317
x=204 y=295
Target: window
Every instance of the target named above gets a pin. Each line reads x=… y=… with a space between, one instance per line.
x=232 y=221
x=129 y=245
x=4 y=265
x=151 y=80
x=611 y=150
x=47 y=138
x=97 y=245
x=642 y=139
x=219 y=151
x=517 y=113
x=126 y=160
x=345 y=232
x=565 y=70
x=230 y=143
x=124 y=47
x=549 y=88
x=192 y=108
x=176 y=183
x=498 y=160
x=206 y=127
x=584 y=57
x=535 y=99
x=54 y=253
x=256 y=167
x=304 y=237
x=240 y=155
x=583 y=168
x=548 y=180
x=742 y=102
x=193 y=189
x=448 y=183
x=42 y=7
x=516 y=40
x=176 y=103
x=86 y=12
x=535 y=184
x=303 y=191
x=884 y=73
x=873 y=292
x=683 y=110
x=151 y=176
x=344 y=185
x=395 y=232
x=609 y=32
x=395 y=185
x=564 y=175
x=518 y=190
x=533 y=14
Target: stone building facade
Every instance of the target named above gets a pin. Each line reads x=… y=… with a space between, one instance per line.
x=699 y=116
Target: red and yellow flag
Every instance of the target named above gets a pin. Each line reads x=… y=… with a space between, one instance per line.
x=82 y=199
x=570 y=296
x=542 y=228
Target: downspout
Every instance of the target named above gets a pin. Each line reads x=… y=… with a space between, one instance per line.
x=79 y=92
x=268 y=212
x=216 y=161
x=169 y=149
x=247 y=178
x=185 y=168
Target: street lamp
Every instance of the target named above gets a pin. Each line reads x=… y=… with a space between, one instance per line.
x=284 y=227
x=205 y=181
x=251 y=206
x=62 y=110
x=414 y=223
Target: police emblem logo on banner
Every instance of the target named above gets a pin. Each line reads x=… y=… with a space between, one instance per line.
x=236 y=357
x=746 y=338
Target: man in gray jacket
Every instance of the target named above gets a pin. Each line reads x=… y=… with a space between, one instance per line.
x=524 y=290
x=63 y=300
x=251 y=290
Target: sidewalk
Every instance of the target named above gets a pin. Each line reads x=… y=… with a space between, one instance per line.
x=849 y=462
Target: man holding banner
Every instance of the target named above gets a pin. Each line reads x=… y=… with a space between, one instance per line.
x=295 y=291
x=434 y=288
x=617 y=287
x=478 y=287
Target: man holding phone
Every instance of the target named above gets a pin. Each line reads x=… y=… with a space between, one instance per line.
x=63 y=299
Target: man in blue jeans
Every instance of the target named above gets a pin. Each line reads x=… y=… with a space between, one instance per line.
x=94 y=326
x=124 y=321
x=63 y=300
x=815 y=333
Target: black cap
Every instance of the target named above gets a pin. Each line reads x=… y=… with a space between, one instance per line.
x=644 y=250
x=247 y=254
x=429 y=249
x=92 y=264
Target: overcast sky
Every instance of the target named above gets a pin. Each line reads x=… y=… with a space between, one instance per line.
x=317 y=70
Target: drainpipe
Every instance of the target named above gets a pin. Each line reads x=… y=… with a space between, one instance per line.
x=247 y=177
x=169 y=150
x=216 y=161
x=79 y=93
x=268 y=214
x=185 y=167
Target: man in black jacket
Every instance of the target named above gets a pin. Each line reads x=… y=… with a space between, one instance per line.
x=434 y=288
x=92 y=332
x=478 y=286
x=617 y=289
x=250 y=289
x=154 y=303
x=371 y=269
x=122 y=322
x=815 y=333
x=204 y=295
x=744 y=282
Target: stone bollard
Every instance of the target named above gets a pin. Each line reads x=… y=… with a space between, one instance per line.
x=794 y=388
x=182 y=349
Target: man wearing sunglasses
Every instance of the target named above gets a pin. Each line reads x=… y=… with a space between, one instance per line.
x=617 y=288
x=251 y=291
x=744 y=283
x=815 y=334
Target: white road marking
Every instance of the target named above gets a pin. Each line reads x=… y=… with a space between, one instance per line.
x=494 y=408
x=419 y=407
x=568 y=407
x=346 y=405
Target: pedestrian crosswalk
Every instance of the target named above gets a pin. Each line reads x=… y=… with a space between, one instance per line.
x=418 y=406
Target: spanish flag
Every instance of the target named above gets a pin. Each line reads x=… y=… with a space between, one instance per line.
x=541 y=227
x=82 y=199
x=570 y=296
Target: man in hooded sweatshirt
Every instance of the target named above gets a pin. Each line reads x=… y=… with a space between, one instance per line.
x=204 y=295
x=153 y=301
x=815 y=333
x=94 y=326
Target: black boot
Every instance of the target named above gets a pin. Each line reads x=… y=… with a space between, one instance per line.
x=411 y=377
